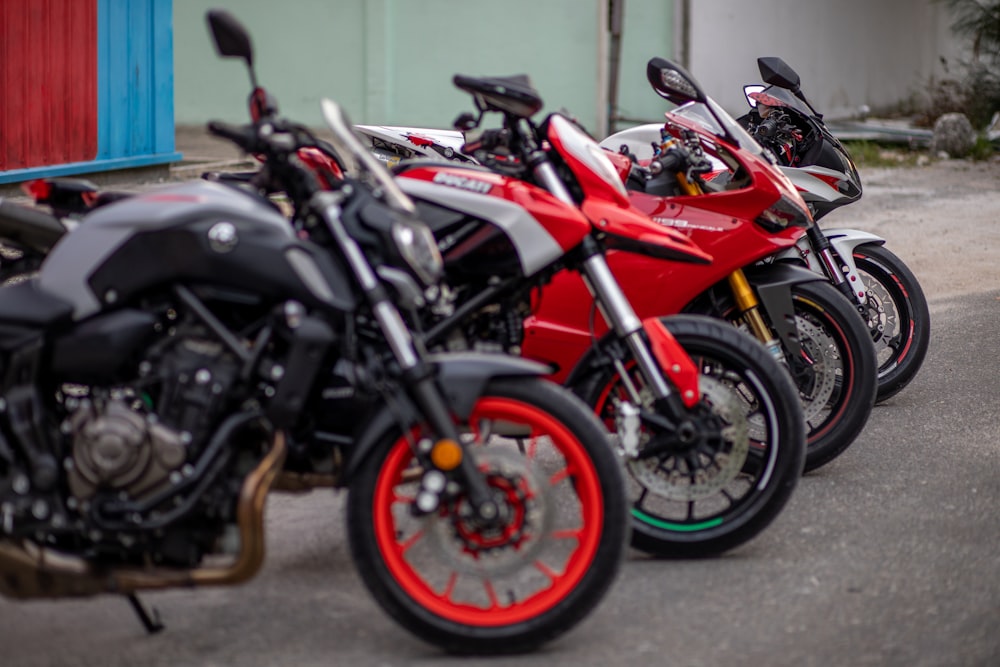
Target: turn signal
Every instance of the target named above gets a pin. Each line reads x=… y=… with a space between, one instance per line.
x=446 y=455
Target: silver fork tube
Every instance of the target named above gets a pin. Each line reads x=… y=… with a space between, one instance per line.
x=830 y=266
x=608 y=294
x=389 y=320
x=546 y=174
x=619 y=313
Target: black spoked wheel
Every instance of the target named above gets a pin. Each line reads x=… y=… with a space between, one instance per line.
x=514 y=583
x=716 y=493
x=897 y=317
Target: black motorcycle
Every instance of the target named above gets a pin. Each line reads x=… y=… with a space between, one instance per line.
x=177 y=355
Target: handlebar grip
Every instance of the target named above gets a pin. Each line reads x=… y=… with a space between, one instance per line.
x=671 y=161
x=243 y=136
x=767 y=128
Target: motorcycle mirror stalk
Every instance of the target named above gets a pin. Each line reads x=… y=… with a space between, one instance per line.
x=467 y=122
x=232 y=40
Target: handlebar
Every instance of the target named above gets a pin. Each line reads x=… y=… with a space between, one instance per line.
x=244 y=136
x=768 y=128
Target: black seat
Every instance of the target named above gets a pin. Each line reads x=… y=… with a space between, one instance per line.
x=25 y=304
x=508 y=94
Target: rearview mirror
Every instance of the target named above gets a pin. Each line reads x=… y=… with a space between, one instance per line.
x=775 y=71
x=752 y=89
x=231 y=38
x=672 y=82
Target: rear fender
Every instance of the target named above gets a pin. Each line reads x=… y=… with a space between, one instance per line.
x=461 y=376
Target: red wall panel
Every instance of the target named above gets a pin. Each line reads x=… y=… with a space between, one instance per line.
x=48 y=82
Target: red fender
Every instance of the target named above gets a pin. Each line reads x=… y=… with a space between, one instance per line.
x=675 y=362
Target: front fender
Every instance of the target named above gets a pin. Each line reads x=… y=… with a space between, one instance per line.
x=461 y=376
x=672 y=358
x=844 y=241
x=773 y=283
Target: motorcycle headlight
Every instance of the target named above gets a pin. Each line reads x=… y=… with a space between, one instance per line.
x=784 y=213
x=418 y=248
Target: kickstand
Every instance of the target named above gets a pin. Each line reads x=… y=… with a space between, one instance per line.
x=150 y=618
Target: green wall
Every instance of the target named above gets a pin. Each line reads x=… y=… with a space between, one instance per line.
x=391 y=61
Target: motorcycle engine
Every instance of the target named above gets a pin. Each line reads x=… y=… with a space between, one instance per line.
x=130 y=440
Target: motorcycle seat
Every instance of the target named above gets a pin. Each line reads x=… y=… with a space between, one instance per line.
x=508 y=94
x=25 y=304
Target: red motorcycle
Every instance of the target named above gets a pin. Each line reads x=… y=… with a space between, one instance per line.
x=713 y=447
x=713 y=182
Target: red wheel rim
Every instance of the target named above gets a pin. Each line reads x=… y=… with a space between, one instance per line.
x=561 y=582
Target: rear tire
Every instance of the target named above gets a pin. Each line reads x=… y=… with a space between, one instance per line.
x=748 y=481
x=459 y=585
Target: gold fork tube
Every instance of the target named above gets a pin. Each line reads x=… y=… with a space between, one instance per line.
x=749 y=306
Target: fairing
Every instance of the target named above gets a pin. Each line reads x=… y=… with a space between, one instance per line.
x=560 y=328
x=540 y=227
x=606 y=202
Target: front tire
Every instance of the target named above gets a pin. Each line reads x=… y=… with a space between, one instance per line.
x=738 y=489
x=509 y=587
x=897 y=317
x=837 y=376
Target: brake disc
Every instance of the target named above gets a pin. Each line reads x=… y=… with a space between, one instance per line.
x=715 y=464
x=821 y=349
x=522 y=492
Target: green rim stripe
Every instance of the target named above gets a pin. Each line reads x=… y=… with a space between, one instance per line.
x=681 y=527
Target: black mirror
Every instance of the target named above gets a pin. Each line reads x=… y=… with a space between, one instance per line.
x=672 y=82
x=775 y=71
x=231 y=38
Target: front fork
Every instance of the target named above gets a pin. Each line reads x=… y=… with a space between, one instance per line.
x=417 y=375
x=661 y=360
x=749 y=307
x=822 y=256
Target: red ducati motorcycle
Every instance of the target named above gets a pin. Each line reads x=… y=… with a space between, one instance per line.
x=706 y=421
x=753 y=222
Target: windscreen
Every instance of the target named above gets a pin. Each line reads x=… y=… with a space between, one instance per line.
x=779 y=97
x=720 y=124
x=360 y=163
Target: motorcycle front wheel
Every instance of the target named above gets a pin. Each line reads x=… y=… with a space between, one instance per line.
x=897 y=317
x=836 y=373
x=710 y=496
x=510 y=585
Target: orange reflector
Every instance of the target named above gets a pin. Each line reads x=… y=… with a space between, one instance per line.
x=446 y=454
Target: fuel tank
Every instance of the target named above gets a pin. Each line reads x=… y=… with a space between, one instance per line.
x=192 y=233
